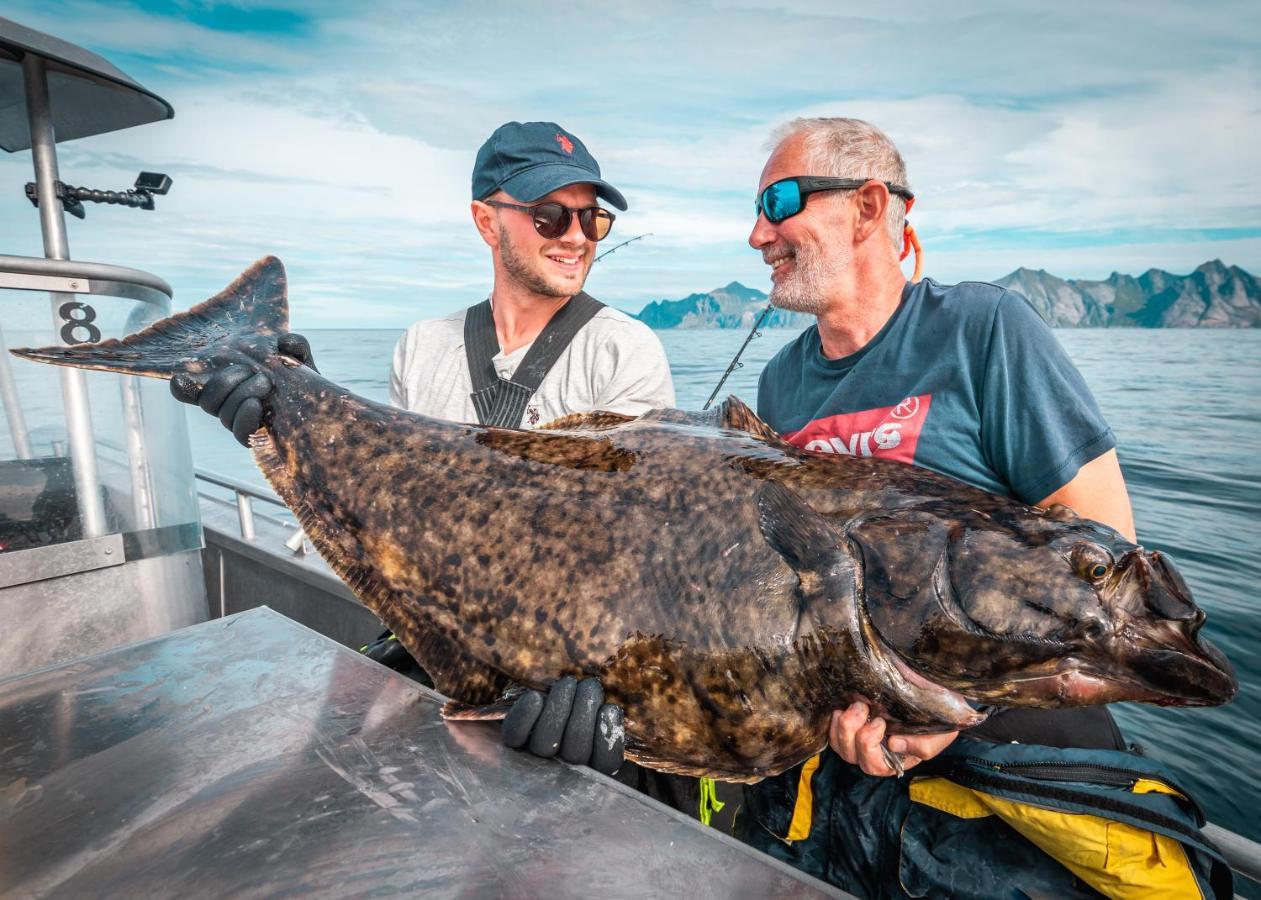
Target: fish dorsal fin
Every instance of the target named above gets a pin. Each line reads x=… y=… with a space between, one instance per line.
x=732 y=413
x=735 y=414
x=592 y=421
x=604 y=420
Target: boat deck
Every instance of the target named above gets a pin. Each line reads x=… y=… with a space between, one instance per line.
x=250 y=756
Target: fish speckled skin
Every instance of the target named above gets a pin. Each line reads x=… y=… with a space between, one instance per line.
x=728 y=589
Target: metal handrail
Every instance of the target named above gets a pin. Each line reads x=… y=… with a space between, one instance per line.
x=244 y=495
x=241 y=487
x=1243 y=855
x=87 y=278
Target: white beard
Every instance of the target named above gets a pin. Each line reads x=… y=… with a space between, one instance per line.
x=804 y=289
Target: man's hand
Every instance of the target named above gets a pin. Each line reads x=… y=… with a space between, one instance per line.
x=856 y=738
x=572 y=719
x=237 y=394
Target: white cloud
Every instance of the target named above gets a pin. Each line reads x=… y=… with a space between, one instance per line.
x=1169 y=156
x=350 y=153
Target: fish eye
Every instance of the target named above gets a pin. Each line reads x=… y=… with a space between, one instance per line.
x=1091 y=561
x=1095 y=631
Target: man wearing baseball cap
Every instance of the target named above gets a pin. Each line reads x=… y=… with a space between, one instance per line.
x=536 y=349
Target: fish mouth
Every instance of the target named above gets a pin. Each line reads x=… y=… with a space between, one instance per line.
x=1063 y=683
x=1172 y=665
x=1176 y=677
x=1160 y=676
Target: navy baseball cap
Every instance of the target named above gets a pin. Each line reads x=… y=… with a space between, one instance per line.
x=531 y=159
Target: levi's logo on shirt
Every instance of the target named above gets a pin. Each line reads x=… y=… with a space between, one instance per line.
x=891 y=432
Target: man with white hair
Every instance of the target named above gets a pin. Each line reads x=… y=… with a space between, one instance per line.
x=963 y=379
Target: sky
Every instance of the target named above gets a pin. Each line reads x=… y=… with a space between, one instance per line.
x=1080 y=138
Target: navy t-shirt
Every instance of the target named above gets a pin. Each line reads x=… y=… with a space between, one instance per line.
x=966 y=380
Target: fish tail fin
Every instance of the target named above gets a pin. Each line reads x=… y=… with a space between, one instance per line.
x=193 y=341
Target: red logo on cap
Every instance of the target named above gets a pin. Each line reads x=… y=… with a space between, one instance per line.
x=565 y=143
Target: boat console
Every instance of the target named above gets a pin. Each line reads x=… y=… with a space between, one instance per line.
x=99 y=532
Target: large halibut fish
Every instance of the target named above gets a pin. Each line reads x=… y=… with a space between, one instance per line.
x=728 y=589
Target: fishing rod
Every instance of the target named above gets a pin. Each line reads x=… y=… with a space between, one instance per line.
x=735 y=360
x=621 y=245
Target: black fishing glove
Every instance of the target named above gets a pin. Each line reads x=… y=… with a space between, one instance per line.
x=572 y=719
x=387 y=650
x=237 y=394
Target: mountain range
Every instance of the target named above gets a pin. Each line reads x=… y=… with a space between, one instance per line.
x=1213 y=296
x=733 y=306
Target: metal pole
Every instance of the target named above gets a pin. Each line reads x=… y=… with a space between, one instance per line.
x=1243 y=854
x=245 y=514
x=142 y=494
x=12 y=407
x=74 y=387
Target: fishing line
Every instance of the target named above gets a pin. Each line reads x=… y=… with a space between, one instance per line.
x=735 y=360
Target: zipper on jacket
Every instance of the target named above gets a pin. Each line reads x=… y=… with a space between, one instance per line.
x=1065 y=771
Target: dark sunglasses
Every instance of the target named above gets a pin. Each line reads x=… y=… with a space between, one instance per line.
x=787 y=197
x=551 y=220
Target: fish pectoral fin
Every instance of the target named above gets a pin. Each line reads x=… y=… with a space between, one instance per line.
x=806 y=540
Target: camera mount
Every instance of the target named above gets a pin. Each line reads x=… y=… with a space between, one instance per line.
x=138 y=197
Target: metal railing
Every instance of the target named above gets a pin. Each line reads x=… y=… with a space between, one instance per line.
x=244 y=496
x=1243 y=855
x=67 y=276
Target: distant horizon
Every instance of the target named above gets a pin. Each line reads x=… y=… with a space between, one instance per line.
x=1043 y=271
x=634 y=311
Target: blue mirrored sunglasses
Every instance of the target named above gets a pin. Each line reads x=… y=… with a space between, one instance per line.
x=787 y=197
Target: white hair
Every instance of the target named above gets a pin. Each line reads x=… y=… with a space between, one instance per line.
x=851 y=148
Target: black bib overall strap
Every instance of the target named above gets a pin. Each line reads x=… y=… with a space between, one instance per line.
x=502 y=403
